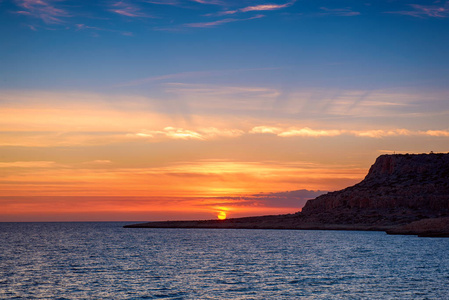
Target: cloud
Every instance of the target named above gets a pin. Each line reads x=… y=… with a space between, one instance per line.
x=206 y=99
x=213 y=2
x=375 y=133
x=211 y=24
x=390 y=105
x=180 y=133
x=191 y=75
x=28 y=164
x=90 y=138
x=42 y=9
x=98 y=162
x=214 y=90
x=220 y=22
x=51 y=13
x=342 y=12
x=127 y=9
x=213 y=132
x=265 y=129
x=267 y=7
x=292 y=132
x=289 y=199
x=261 y=7
x=231 y=177
x=163 y=2
x=186 y=134
x=400 y=132
x=94 y=28
x=193 y=177
x=437 y=133
x=294 y=199
x=39 y=118
x=309 y=132
x=383 y=133
x=61 y=139
x=84 y=26
x=192 y=112
x=421 y=11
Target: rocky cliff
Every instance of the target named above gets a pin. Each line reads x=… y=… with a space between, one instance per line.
x=402 y=194
x=398 y=189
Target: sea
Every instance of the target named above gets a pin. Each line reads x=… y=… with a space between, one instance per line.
x=106 y=261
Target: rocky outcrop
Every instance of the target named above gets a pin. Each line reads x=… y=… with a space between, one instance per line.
x=402 y=194
x=399 y=188
x=437 y=227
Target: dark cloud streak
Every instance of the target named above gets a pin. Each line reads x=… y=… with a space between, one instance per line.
x=292 y=199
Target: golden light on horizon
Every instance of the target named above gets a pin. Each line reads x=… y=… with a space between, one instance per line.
x=221 y=215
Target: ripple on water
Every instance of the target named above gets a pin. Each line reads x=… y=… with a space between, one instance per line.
x=105 y=261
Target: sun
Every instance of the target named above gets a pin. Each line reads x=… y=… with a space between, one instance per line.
x=221 y=215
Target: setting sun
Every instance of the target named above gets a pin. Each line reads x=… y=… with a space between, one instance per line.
x=221 y=215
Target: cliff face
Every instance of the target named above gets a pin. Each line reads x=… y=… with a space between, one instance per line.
x=402 y=194
x=398 y=188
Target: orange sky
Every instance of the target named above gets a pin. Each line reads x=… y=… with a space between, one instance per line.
x=81 y=156
x=182 y=109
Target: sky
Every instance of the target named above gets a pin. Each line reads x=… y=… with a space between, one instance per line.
x=147 y=110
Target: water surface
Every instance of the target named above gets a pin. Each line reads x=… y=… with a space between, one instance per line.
x=106 y=261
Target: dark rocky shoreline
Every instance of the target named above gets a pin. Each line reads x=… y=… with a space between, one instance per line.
x=402 y=194
x=278 y=222
x=438 y=226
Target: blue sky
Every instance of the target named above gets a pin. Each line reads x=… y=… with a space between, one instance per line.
x=344 y=44
x=193 y=107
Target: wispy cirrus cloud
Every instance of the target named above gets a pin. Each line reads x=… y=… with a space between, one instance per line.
x=127 y=9
x=186 y=134
x=28 y=164
x=211 y=181
x=400 y=132
x=291 y=132
x=185 y=3
x=422 y=11
x=309 y=132
x=437 y=132
x=267 y=7
x=42 y=9
x=379 y=133
x=225 y=98
x=342 y=12
x=373 y=133
x=210 y=24
x=163 y=2
x=190 y=112
x=191 y=75
x=260 y=7
x=91 y=138
x=266 y=129
x=213 y=2
x=96 y=29
x=220 y=22
x=171 y=132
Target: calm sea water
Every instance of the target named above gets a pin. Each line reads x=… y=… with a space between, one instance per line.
x=106 y=261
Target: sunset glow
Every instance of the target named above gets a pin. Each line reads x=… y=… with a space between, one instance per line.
x=221 y=215
x=153 y=110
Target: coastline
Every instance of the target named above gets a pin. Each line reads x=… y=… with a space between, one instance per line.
x=401 y=194
x=290 y=222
